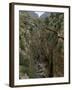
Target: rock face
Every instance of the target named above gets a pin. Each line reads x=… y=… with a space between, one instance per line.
x=41 y=50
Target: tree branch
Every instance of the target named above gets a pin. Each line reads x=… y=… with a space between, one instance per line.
x=55 y=32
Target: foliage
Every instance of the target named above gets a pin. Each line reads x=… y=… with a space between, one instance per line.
x=36 y=42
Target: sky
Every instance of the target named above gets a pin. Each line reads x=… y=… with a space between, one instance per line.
x=39 y=13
